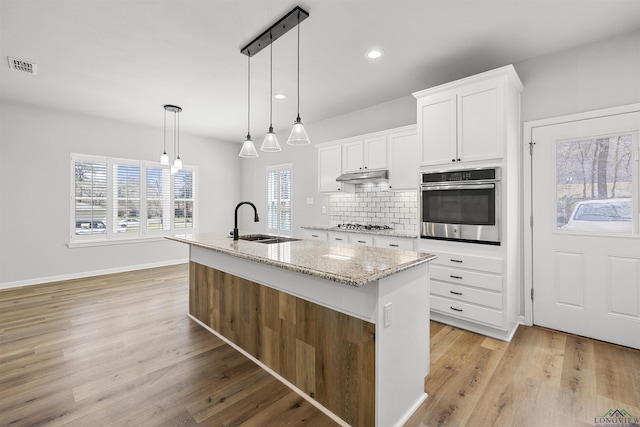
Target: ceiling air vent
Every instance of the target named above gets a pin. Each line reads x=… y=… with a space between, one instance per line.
x=24 y=66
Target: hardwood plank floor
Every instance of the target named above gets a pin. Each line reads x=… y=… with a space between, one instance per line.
x=119 y=350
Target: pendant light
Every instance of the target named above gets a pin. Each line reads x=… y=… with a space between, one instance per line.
x=248 y=150
x=270 y=143
x=164 y=158
x=298 y=135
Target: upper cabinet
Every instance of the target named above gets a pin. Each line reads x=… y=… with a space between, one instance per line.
x=467 y=120
x=403 y=162
x=364 y=154
x=329 y=168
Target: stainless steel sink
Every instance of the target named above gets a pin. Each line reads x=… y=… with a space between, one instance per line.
x=265 y=238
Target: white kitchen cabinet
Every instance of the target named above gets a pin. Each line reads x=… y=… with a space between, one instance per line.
x=329 y=168
x=403 y=243
x=364 y=154
x=403 y=163
x=338 y=236
x=315 y=235
x=465 y=121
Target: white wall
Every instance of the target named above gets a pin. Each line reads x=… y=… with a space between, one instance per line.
x=35 y=147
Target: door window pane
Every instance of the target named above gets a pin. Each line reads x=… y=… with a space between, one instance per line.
x=594 y=187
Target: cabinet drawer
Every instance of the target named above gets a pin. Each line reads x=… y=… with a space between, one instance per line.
x=315 y=235
x=395 y=243
x=473 y=262
x=338 y=237
x=466 y=311
x=465 y=294
x=492 y=282
x=361 y=239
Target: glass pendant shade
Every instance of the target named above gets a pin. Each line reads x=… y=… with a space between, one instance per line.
x=178 y=163
x=164 y=159
x=270 y=143
x=248 y=150
x=174 y=169
x=298 y=135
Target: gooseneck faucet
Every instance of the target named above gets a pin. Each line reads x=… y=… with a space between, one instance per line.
x=235 y=223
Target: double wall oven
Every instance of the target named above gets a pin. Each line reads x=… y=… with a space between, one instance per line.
x=461 y=205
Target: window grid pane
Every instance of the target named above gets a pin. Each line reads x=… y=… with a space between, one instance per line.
x=158 y=199
x=90 y=197
x=184 y=202
x=279 y=199
x=126 y=204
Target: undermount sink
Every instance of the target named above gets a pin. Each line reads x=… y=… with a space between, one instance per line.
x=265 y=238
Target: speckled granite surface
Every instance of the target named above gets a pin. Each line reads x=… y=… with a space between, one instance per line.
x=352 y=265
x=389 y=233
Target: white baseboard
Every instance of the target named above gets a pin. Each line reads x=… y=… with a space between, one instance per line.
x=84 y=274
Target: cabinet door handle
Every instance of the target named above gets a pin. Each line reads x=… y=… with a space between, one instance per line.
x=456 y=260
x=456 y=293
x=453 y=160
x=455 y=277
x=338 y=238
x=455 y=309
x=314 y=235
x=393 y=245
x=361 y=241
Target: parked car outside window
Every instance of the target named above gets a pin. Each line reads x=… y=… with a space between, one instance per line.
x=604 y=216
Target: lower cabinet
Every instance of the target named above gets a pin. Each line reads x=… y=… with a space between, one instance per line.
x=470 y=292
x=364 y=239
x=361 y=239
x=404 y=243
x=315 y=235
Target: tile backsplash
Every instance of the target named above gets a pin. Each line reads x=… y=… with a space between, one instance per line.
x=375 y=204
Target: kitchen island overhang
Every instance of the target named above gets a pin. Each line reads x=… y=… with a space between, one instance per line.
x=345 y=326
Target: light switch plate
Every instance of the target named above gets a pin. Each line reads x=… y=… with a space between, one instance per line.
x=309 y=200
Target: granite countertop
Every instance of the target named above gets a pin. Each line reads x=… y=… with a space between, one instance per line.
x=352 y=265
x=389 y=232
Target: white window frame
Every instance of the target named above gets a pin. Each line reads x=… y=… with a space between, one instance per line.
x=278 y=230
x=111 y=237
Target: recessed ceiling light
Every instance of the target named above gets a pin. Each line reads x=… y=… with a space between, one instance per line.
x=280 y=96
x=374 y=54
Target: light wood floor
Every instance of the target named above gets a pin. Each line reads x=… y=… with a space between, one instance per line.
x=118 y=350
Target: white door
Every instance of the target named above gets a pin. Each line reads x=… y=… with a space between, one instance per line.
x=585 y=235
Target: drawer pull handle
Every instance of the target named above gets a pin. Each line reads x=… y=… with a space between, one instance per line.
x=456 y=260
x=455 y=277
x=338 y=238
x=361 y=241
x=455 y=309
x=456 y=293
x=393 y=245
x=314 y=235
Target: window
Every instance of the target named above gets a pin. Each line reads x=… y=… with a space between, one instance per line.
x=279 y=199
x=118 y=198
x=594 y=190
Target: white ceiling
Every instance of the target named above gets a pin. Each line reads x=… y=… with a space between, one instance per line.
x=125 y=59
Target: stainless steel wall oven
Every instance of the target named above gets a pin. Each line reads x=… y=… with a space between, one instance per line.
x=461 y=205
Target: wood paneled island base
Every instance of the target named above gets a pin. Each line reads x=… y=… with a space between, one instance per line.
x=345 y=326
x=328 y=355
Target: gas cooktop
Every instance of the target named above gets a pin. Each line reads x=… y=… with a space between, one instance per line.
x=363 y=227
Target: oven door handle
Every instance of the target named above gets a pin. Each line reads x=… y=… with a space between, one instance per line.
x=459 y=187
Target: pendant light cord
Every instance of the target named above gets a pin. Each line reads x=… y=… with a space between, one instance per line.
x=271 y=83
x=298 y=64
x=177 y=115
x=248 y=95
x=174 y=135
x=165 y=131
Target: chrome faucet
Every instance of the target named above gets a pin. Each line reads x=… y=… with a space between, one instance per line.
x=235 y=223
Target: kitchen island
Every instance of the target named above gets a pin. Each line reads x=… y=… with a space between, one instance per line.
x=345 y=326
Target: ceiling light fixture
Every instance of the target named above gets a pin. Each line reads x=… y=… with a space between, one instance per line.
x=298 y=135
x=270 y=143
x=375 y=54
x=164 y=158
x=270 y=35
x=248 y=149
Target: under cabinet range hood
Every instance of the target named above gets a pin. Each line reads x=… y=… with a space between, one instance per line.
x=364 y=177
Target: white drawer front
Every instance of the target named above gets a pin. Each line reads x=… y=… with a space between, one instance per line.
x=492 y=282
x=473 y=262
x=394 y=243
x=466 y=311
x=315 y=235
x=361 y=239
x=339 y=237
x=465 y=294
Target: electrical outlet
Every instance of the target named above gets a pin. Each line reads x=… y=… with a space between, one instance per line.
x=388 y=314
x=309 y=200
